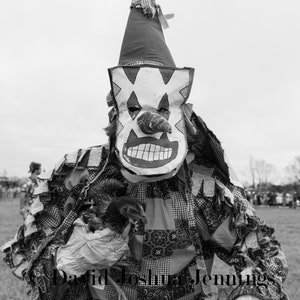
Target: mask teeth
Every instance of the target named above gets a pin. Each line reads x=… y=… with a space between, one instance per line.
x=149 y=152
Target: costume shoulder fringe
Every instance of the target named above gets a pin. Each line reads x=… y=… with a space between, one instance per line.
x=88 y=159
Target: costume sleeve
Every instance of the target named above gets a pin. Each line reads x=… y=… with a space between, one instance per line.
x=242 y=240
x=31 y=253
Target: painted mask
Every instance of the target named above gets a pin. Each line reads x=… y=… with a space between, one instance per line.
x=151 y=136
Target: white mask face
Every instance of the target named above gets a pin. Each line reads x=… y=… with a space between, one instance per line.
x=151 y=136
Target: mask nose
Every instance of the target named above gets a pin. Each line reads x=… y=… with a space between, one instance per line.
x=150 y=123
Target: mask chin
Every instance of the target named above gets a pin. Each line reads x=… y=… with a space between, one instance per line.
x=147 y=176
x=134 y=178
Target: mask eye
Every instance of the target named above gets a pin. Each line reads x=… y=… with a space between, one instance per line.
x=163 y=110
x=134 y=109
x=133 y=106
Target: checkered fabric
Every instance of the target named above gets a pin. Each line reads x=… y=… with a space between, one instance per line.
x=161 y=241
x=50 y=217
x=175 y=241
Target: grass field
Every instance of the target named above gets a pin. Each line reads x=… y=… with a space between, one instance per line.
x=286 y=221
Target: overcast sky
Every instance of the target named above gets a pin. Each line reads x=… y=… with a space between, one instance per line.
x=54 y=57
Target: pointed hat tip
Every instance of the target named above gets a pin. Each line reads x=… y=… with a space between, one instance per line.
x=144 y=41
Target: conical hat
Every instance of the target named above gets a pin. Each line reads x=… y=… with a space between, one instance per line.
x=144 y=41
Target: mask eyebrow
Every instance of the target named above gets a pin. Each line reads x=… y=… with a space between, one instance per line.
x=164 y=103
x=133 y=105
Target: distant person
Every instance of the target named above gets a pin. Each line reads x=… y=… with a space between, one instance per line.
x=295 y=198
x=28 y=188
x=15 y=192
x=284 y=199
x=274 y=201
x=270 y=199
x=258 y=197
x=248 y=196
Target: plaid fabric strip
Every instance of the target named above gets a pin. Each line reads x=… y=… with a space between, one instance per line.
x=179 y=206
x=190 y=209
x=202 y=227
x=158 y=267
x=138 y=191
x=130 y=292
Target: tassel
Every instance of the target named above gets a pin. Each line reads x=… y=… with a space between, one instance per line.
x=163 y=19
x=150 y=9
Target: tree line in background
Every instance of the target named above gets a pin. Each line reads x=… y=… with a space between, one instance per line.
x=262 y=175
x=10 y=187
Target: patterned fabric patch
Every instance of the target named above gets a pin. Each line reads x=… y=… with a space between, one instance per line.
x=180 y=211
x=183 y=234
x=152 y=271
x=212 y=213
x=159 y=243
x=182 y=284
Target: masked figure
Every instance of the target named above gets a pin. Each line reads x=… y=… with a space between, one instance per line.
x=150 y=137
x=167 y=159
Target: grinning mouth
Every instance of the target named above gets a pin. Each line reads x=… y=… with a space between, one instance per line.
x=148 y=152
